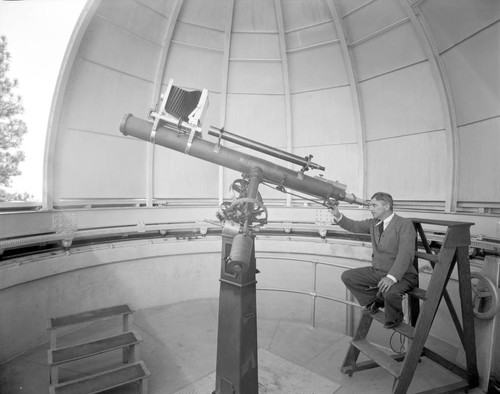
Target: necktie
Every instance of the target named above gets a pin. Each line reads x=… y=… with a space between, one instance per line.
x=380 y=229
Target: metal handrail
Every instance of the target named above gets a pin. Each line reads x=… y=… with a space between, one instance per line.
x=314 y=294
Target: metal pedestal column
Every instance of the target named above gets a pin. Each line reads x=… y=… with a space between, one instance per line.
x=236 y=371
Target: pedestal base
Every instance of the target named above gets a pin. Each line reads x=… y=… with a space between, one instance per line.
x=277 y=376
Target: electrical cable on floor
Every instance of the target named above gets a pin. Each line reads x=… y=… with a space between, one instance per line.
x=402 y=342
x=402 y=338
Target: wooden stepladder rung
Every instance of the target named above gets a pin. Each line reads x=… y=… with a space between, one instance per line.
x=75 y=352
x=106 y=380
x=405 y=329
x=423 y=305
x=380 y=357
x=427 y=256
x=418 y=293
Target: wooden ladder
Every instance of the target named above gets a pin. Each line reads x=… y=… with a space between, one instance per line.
x=453 y=252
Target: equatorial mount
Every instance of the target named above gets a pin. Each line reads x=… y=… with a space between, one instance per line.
x=236 y=210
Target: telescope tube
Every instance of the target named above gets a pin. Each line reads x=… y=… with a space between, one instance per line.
x=170 y=138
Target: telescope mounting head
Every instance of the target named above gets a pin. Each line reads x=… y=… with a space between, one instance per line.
x=249 y=212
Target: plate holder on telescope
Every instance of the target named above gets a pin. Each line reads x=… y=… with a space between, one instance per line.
x=182 y=113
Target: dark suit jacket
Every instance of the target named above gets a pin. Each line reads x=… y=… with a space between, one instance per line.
x=395 y=250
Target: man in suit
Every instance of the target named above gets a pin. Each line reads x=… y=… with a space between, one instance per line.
x=392 y=273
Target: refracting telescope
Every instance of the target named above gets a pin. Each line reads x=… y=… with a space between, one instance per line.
x=169 y=136
x=236 y=367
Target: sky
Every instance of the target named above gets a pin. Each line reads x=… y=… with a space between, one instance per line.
x=38 y=32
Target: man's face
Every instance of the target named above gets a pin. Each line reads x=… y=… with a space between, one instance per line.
x=379 y=209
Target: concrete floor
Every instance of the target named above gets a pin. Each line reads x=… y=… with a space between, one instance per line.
x=179 y=348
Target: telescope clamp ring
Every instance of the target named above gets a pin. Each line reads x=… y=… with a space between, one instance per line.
x=307 y=166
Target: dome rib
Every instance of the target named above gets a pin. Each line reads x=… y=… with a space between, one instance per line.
x=442 y=83
x=224 y=84
x=356 y=100
x=56 y=107
x=157 y=87
x=286 y=84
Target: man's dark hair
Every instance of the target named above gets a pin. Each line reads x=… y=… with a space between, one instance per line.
x=385 y=197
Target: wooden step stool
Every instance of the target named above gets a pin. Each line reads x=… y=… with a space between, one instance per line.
x=454 y=250
x=102 y=381
x=128 y=341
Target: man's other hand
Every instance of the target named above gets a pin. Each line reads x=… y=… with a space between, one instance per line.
x=385 y=284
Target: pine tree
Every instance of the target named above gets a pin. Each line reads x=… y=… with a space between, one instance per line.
x=12 y=127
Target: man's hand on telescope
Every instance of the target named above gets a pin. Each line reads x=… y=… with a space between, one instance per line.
x=334 y=210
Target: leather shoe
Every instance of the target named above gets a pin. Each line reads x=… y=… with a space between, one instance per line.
x=375 y=306
x=391 y=324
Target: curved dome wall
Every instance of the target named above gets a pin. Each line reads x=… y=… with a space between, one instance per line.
x=387 y=94
x=300 y=275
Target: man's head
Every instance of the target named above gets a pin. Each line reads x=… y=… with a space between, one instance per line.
x=381 y=205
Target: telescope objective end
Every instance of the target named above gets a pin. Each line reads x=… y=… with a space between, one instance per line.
x=123 y=123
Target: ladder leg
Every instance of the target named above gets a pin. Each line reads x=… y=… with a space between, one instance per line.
x=349 y=364
x=435 y=290
x=465 y=289
x=126 y=351
x=143 y=386
x=54 y=374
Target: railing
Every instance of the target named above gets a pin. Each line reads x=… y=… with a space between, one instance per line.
x=313 y=293
x=66 y=235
